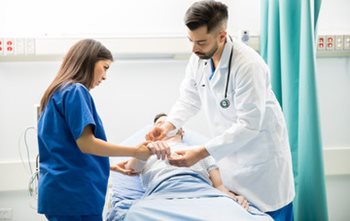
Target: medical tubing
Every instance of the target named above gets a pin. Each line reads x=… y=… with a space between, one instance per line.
x=24 y=134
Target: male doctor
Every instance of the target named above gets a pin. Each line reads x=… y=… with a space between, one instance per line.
x=231 y=82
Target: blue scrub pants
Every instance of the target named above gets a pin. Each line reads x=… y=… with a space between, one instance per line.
x=283 y=214
x=74 y=218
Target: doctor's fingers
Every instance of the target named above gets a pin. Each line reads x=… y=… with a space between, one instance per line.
x=179 y=162
x=155 y=134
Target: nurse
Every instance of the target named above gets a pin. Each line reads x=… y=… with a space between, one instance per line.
x=231 y=83
x=74 y=166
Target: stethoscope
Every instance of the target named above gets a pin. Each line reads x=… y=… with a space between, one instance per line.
x=225 y=103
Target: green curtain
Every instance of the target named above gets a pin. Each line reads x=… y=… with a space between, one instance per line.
x=287 y=43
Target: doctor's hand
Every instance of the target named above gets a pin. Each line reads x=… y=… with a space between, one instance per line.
x=142 y=152
x=156 y=133
x=160 y=148
x=159 y=132
x=187 y=158
x=120 y=168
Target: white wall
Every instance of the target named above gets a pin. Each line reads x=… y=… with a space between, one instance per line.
x=111 y=17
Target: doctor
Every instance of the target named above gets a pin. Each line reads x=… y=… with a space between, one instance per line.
x=231 y=82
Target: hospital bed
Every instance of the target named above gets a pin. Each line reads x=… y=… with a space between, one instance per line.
x=188 y=197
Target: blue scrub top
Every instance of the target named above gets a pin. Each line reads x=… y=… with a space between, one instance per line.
x=70 y=182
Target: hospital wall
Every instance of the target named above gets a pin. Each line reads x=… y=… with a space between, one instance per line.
x=137 y=89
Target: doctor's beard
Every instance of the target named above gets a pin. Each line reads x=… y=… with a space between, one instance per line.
x=207 y=55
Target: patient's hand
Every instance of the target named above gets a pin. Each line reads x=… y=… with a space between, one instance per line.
x=160 y=148
x=120 y=167
x=241 y=200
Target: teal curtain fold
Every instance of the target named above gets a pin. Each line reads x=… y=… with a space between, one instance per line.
x=287 y=44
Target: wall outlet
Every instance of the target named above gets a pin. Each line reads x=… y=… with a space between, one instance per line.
x=329 y=42
x=9 y=46
x=2 y=47
x=20 y=45
x=5 y=213
x=321 y=42
x=346 y=42
x=30 y=46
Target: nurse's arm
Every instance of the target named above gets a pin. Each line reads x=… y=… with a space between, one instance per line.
x=215 y=178
x=89 y=144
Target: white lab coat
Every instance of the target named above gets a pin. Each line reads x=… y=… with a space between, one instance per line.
x=250 y=140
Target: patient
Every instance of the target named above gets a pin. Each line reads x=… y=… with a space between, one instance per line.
x=179 y=193
x=160 y=170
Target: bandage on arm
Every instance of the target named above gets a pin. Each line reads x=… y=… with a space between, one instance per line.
x=135 y=164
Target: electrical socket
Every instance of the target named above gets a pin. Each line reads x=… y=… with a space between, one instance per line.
x=5 y=213
x=346 y=42
x=30 y=46
x=329 y=43
x=9 y=46
x=2 y=47
x=20 y=44
x=321 y=42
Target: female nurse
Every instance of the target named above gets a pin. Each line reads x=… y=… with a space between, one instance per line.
x=74 y=166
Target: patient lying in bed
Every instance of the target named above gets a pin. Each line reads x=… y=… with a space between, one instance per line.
x=173 y=193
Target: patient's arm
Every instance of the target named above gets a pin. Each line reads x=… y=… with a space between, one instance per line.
x=215 y=178
x=159 y=148
x=135 y=164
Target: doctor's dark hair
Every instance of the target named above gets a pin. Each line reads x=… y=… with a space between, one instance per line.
x=211 y=13
x=77 y=67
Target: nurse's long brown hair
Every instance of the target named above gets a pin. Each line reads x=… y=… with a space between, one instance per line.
x=77 y=67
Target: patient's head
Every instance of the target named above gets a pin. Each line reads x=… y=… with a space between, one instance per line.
x=159 y=119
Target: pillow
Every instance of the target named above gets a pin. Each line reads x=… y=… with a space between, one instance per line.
x=130 y=187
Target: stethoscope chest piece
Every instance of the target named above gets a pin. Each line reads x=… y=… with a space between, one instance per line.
x=225 y=103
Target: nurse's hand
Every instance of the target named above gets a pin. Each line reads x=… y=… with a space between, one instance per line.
x=160 y=148
x=120 y=168
x=187 y=158
x=142 y=152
